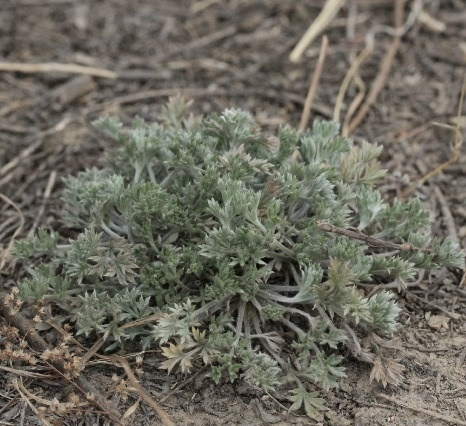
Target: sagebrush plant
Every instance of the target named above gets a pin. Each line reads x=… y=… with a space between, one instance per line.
x=216 y=228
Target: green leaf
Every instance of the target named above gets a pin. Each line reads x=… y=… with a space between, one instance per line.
x=313 y=405
x=325 y=371
x=42 y=243
x=384 y=312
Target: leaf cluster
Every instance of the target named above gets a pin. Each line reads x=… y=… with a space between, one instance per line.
x=211 y=226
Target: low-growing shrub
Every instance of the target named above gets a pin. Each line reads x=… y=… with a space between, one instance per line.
x=237 y=250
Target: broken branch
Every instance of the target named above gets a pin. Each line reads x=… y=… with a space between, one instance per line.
x=370 y=241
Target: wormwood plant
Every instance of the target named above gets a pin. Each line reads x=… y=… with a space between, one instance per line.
x=237 y=250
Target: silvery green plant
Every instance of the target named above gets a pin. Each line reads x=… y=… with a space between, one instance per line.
x=204 y=237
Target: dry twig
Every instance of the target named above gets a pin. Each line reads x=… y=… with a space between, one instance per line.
x=5 y=253
x=432 y=23
x=8 y=404
x=40 y=400
x=328 y=12
x=120 y=361
x=423 y=411
x=56 y=67
x=20 y=372
x=7 y=171
x=47 y=192
x=461 y=358
x=30 y=3
x=352 y=73
x=370 y=241
x=195 y=92
x=463 y=280
x=14 y=106
x=142 y=392
x=201 y=5
x=203 y=41
x=18 y=158
x=24 y=395
x=452 y=315
x=348 y=78
x=184 y=384
x=458 y=142
x=384 y=69
x=91 y=352
x=313 y=86
x=73 y=89
x=447 y=216
x=354 y=105
x=37 y=343
x=33 y=146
